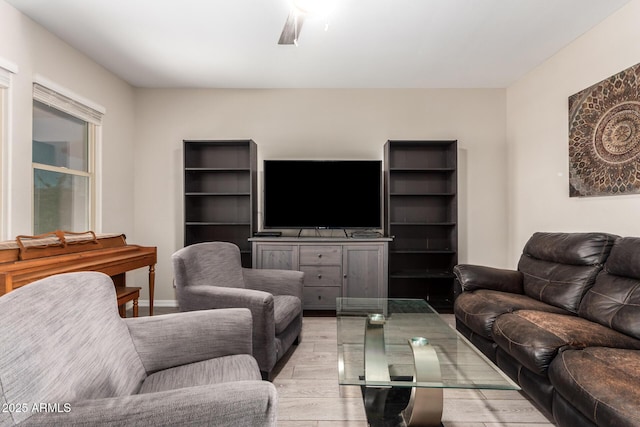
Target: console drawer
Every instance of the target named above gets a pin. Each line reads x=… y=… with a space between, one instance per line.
x=322 y=275
x=321 y=298
x=324 y=255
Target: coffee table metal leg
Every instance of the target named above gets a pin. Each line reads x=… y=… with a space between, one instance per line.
x=375 y=402
x=376 y=367
x=425 y=405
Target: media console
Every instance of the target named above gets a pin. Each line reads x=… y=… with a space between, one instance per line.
x=333 y=267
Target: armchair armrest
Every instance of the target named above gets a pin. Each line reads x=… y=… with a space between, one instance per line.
x=276 y=282
x=472 y=277
x=261 y=304
x=204 y=297
x=248 y=403
x=177 y=339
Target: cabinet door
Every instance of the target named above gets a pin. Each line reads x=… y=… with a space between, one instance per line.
x=363 y=268
x=279 y=257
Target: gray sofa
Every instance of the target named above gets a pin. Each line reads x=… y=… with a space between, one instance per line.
x=68 y=358
x=210 y=275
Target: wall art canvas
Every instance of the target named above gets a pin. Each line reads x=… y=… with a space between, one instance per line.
x=604 y=137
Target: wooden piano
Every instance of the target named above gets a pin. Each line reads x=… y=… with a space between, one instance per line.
x=30 y=258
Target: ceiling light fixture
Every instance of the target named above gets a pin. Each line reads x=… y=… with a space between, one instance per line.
x=300 y=11
x=314 y=8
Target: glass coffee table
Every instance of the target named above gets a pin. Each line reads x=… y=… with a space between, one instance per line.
x=403 y=354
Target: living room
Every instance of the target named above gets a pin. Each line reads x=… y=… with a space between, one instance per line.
x=513 y=140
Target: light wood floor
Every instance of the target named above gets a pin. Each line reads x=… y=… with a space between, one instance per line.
x=309 y=395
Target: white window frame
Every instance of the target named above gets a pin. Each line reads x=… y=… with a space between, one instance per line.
x=7 y=70
x=62 y=99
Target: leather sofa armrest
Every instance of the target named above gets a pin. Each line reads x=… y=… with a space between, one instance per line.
x=472 y=277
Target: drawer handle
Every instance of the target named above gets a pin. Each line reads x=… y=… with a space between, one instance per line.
x=319 y=255
x=319 y=276
x=319 y=297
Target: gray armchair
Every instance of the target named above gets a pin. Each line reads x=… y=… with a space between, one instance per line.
x=68 y=358
x=210 y=275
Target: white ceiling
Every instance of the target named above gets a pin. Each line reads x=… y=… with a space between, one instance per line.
x=369 y=43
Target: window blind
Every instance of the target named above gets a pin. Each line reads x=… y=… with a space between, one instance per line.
x=5 y=78
x=67 y=104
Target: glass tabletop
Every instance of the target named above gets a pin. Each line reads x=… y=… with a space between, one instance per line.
x=380 y=340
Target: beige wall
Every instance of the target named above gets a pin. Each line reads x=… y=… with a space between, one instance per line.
x=537 y=134
x=36 y=52
x=320 y=124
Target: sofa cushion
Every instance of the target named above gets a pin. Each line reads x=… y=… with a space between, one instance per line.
x=559 y=268
x=535 y=337
x=285 y=309
x=625 y=258
x=241 y=367
x=479 y=309
x=614 y=300
x=602 y=383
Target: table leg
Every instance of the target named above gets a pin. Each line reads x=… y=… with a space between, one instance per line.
x=135 y=307
x=375 y=400
x=425 y=404
x=152 y=285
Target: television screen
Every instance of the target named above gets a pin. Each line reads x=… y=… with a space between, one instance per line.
x=322 y=194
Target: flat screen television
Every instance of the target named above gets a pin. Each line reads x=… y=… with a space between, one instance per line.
x=322 y=194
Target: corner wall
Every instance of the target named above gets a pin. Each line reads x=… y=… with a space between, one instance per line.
x=537 y=137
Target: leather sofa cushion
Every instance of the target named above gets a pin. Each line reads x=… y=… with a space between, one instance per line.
x=570 y=248
x=535 y=337
x=602 y=383
x=614 y=299
x=479 y=309
x=614 y=302
x=559 y=268
x=625 y=258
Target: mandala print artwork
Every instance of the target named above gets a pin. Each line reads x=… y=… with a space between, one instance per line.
x=604 y=137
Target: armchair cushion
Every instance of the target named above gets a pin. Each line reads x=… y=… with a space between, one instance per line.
x=196 y=267
x=244 y=403
x=241 y=367
x=285 y=310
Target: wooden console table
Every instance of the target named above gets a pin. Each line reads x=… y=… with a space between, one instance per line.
x=37 y=257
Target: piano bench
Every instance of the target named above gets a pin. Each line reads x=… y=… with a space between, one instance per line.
x=125 y=295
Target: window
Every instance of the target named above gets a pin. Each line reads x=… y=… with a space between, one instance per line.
x=64 y=152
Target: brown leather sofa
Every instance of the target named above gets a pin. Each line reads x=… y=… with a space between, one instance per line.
x=565 y=325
